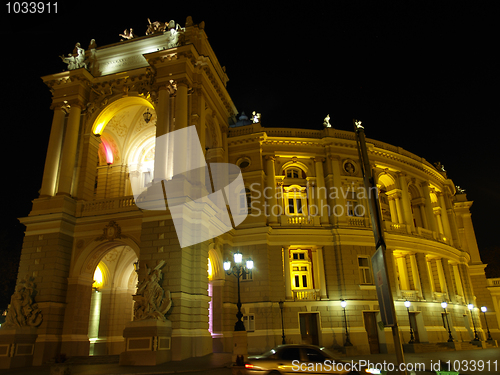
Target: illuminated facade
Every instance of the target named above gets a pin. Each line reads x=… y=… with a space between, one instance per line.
x=307 y=230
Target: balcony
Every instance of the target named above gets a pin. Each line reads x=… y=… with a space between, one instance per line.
x=306 y=294
x=299 y=221
x=106 y=206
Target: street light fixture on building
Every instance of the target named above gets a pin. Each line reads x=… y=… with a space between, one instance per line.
x=484 y=309
x=470 y=306
x=238 y=270
x=412 y=338
x=450 y=336
x=343 y=303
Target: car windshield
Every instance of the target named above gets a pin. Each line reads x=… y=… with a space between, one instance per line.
x=269 y=353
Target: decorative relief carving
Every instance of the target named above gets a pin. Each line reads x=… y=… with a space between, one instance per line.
x=23 y=311
x=111 y=232
x=151 y=300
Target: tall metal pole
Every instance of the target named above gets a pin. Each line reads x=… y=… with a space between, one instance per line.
x=471 y=308
x=376 y=220
x=483 y=309
x=239 y=325
x=282 y=325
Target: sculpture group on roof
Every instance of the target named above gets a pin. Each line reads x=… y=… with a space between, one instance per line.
x=173 y=32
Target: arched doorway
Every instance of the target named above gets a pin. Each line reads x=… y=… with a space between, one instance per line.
x=111 y=306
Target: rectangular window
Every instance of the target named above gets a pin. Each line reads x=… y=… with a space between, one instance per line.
x=249 y=322
x=247 y=276
x=365 y=275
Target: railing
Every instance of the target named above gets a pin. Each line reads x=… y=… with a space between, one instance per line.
x=494 y=282
x=299 y=220
x=426 y=233
x=356 y=221
x=106 y=206
x=410 y=295
x=306 y=294
x=440 y=297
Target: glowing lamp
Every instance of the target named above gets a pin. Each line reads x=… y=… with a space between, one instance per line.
x=108 y=151
x=343 y=303
x=407 y=304
x=249 y=264
x=483 y=309
x=470 y=306
x=227 y=265
x=238 y=257
x=444 y=305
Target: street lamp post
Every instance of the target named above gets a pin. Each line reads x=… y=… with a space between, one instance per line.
x=412 y=338
x=470 y=306
x=343 y=303
x=484 y=309
x=450 y=336
x=238 y=270
x=282 y=325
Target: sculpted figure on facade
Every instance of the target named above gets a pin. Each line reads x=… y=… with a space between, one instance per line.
x=127 y=34
x=155 y=27
x=75 y=60
x=175 y=35
x=23 y=311
x=326 y=122
x=151 y=300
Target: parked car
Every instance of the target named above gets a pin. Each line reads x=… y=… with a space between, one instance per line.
x=308 y=359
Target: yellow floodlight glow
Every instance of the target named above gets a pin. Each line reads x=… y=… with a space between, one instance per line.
x=98 y=278
x=111 y=110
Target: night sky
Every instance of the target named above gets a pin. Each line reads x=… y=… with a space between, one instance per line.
x=420 y=75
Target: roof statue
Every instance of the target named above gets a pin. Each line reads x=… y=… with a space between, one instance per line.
x=127 y=34
x=75 y=60
x=23 y=311
x=326 y=122
x=256 y=117
x=155 y=27
x=151 y=300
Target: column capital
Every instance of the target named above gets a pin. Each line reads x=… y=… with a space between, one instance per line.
x=270 y=157
x=318 y=159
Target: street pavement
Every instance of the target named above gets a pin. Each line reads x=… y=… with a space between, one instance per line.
x=220 y=364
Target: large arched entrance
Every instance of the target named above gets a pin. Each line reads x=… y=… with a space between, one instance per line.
x=111 y=306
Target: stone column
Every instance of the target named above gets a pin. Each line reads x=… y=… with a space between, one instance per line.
x=53 y=154
x=452 y=295
x=181 y=105
x=88 y=171
x=425 y=277
x=162 y=128
x=405 y=200
x=321 y=190
x=321 y=272
x=286 y=267
x=429 y=211
x=393 y=209
x=271 y=190
x=68 y=157
x=444 y=219
x=339 y=213
x=421 y=208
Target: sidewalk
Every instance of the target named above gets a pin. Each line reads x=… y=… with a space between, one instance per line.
x=197 y=364
x=463 y=361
